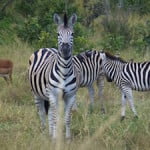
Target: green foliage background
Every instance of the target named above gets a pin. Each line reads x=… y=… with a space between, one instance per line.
x=100 y=25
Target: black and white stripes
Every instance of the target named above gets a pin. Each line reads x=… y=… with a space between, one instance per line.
x=89 y=66
x=52 y=74
x=128 y=76
x=39 y=61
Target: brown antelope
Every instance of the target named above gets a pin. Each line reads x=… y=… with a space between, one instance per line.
x=6 y=68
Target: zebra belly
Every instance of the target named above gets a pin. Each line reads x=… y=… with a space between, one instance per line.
x=40 y=94
x=141 y=88
x=140 y=85
x=38 y=87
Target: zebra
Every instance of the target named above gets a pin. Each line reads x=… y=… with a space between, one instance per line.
x=127 y=76
x=53 y=74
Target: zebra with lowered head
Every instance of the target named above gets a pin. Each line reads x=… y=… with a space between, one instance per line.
x=89 y=66
x=128 y=76
x=54 y=73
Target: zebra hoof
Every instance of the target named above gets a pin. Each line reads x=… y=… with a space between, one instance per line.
x=122 y=118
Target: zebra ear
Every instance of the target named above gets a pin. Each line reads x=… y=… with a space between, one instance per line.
x=102 y=55
x=72 y=19
x=57 y=19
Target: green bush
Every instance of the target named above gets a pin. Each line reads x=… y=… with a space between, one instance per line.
x=80 y=44
x=140 y=36
x=7 y=33
x=116 y=33
x=25 y=7
x=46 y=40
x=113 y=42
x=138 y=6
x=81 y=41
x=30 y=31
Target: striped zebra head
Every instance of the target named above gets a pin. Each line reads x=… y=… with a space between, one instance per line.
x=109 y=63
x=65 y=34
x=103 y=57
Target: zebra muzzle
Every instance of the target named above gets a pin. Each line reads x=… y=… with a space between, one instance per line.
x=65 y=50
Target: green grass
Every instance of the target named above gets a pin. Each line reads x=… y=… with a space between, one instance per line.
x=20 y=125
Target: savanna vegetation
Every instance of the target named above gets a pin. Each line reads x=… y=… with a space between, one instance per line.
x=118 y=26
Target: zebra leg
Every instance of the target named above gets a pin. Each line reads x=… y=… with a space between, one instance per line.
x=91 y=95
x=131 y=102
x=52 y=115
x=100 y=84
x=123 y=107
x=41 y=111
x=69 y=102
x=50 y=122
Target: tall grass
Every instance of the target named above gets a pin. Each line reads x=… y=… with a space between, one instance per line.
x=20 y=125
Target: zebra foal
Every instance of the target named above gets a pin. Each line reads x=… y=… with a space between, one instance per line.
x=53 y=73
x=127 y=76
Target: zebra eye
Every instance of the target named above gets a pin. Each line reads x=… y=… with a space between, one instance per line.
x=58 y=34
x=72 y=34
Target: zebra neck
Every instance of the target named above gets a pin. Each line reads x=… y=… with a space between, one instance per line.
x=113 y=70
x=64 y=66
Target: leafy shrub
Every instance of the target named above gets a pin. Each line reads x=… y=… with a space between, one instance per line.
x=140 y=36
x=116 y=31
x=25 y=7
x=81 y=41
x=46 y=40
x=80 y=44
x=7 y=34
x=30 y=31
x=138 y=6
x=113 y=42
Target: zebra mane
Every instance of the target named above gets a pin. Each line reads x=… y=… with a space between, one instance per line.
x=88 y=53
x=112 y=57
x=65 y=20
